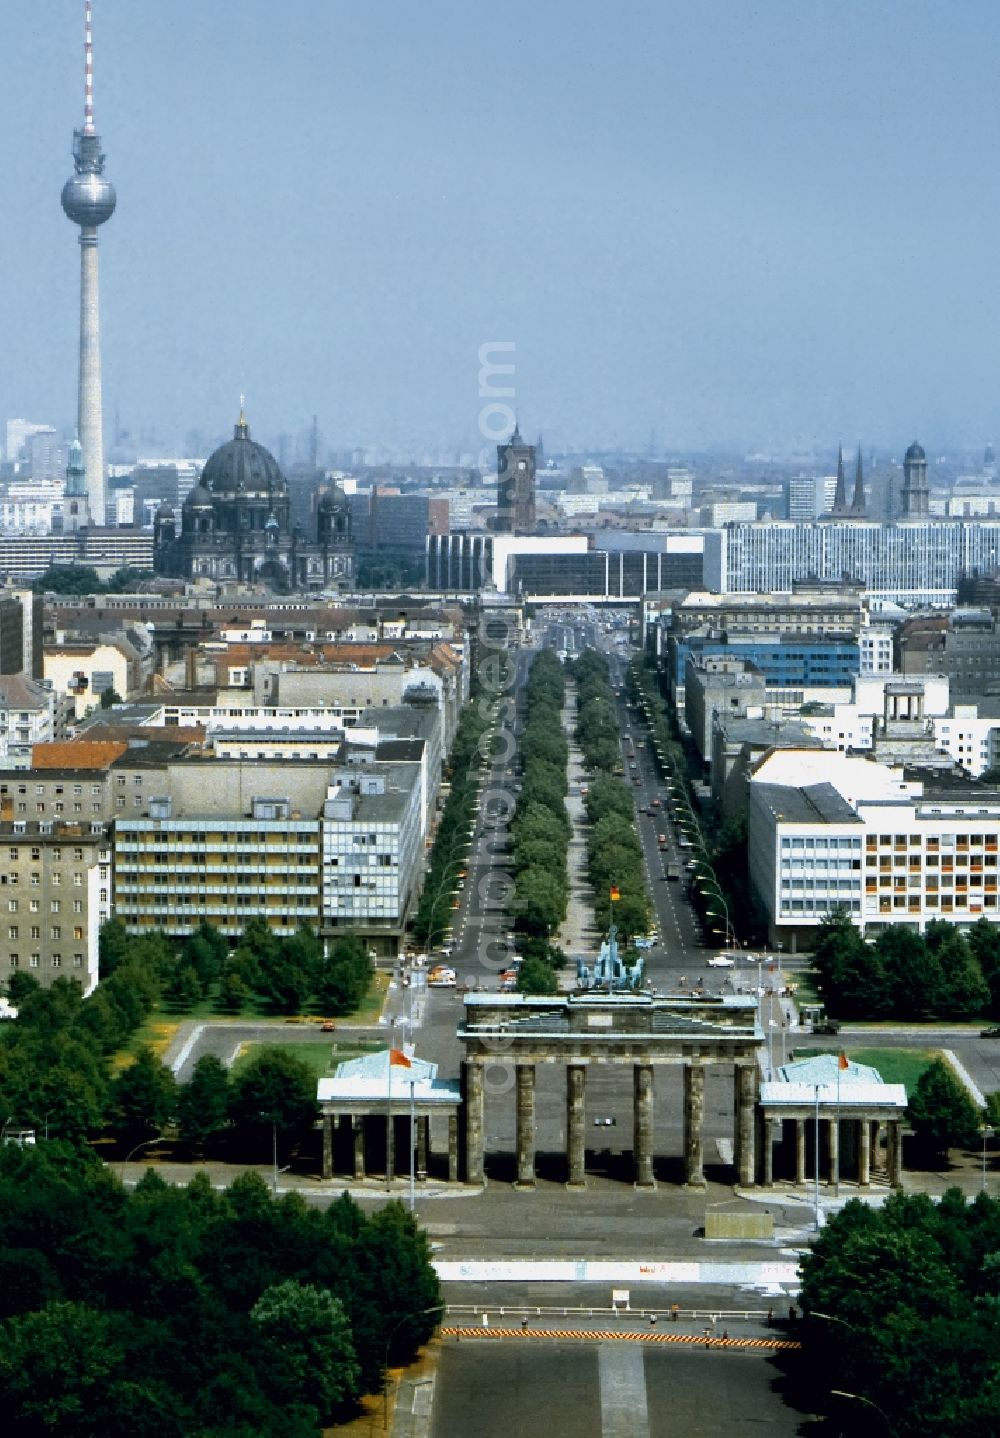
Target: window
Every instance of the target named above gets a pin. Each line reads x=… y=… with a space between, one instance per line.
x=77 y=880
x=34 y=961
x=12 y=906
x=56 y=961
x=78 y=931
x=12 y=931
x=78 y=961
x=78 y=906
x=55 y=906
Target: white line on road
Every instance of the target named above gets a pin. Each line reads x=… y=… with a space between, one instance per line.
x=622 y=1372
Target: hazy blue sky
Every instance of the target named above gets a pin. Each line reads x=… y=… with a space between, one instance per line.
x=764 y=224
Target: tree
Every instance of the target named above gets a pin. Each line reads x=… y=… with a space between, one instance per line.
x=184 y=989
x=233 y=993
x=964 y=991
x=21 y=985
x=68 y=579
x=109 y=698
x=285 y=976
x=203 y=1103
x=344 y=977
x=55 y=1368
x=306 y=1347
x=535 y=976
x=984 y=941
x=941 y=1111
x=143 y=1098
x=112 y=946
x=273 y=1087
x=913 y=973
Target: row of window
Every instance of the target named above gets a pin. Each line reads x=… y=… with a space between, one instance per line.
x=35 y=961
x=35 y=931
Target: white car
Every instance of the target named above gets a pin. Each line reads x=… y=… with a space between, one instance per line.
x=721 y=961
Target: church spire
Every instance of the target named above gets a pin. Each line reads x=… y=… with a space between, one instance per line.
x=840 y=497
x=858 y=502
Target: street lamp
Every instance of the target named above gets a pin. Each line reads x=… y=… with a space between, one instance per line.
x=987 y=1132
x=419 y=1313
x=858 y=1398
x=145 y=1144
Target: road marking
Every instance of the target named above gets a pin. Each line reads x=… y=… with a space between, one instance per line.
x=605 y=1335
x=622 y=1376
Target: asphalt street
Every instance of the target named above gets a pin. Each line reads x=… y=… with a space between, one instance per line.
x=536 y=1388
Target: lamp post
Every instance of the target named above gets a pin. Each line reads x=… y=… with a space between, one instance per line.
x=145 y=1144
x=859 y=1398
x=819 y=1221
x=419 y=1313
x=987 y=1132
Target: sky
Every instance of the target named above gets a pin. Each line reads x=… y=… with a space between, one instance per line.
x=724 y=224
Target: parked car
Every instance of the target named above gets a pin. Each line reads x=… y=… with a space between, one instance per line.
x=442 y=978
x=722 y=961
x=993 y=1032
x=827 y=1026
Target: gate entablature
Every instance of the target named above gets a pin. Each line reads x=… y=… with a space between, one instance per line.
x=641 y=1030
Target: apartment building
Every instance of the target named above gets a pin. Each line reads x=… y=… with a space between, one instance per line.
x=339 y=848
x=55 y=892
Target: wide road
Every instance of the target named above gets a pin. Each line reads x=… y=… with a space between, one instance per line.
x=536 y=1388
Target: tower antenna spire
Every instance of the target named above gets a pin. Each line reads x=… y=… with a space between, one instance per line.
x=88 y=199
x=88 y=68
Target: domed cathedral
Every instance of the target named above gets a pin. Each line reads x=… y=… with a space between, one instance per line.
x=235 y=525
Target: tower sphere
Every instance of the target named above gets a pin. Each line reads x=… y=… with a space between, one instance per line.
x=88 y=200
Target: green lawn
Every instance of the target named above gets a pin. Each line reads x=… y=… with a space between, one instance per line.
x=322 y=1055
x=895 y=1065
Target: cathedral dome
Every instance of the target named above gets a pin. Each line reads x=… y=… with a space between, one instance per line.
x=243 y=467
x=200 y=497
x=915 y=452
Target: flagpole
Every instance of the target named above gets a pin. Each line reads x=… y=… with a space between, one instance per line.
x=836 y=1166
x=388 y=1126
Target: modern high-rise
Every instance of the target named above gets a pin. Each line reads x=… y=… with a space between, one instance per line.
x=89 y=200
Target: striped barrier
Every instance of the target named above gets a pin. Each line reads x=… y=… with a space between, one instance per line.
x=604 y=1335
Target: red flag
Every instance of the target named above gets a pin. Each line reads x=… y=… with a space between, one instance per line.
x=615 y=895
x=842 y=1062
x=398 y=1059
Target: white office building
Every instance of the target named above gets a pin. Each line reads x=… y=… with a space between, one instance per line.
x=911 y=562
x=829 y=830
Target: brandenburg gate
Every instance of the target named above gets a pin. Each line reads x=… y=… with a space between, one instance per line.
x=625 y=1031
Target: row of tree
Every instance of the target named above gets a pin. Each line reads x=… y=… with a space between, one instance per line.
x=283 y=975
x=172 y=1311
x=910 y=1301
x=56 y=1060
x=466 y=764
x=81 y=579
x=540 y=828
x=903 y=974
x=614 y=854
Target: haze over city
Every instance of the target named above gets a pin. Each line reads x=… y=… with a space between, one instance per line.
x=717 y=226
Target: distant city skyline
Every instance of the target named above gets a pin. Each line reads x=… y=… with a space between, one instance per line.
x=748 y=231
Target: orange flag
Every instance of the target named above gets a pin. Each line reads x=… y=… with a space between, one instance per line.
x=615 y=895
x=842 y=1062
x=398 y=1059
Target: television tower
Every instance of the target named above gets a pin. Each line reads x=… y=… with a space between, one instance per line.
x=89 y=199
